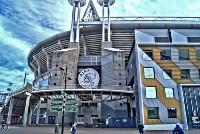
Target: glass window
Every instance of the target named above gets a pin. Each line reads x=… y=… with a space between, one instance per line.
x=148 y=72
x=198 y=54
x=43 y=83
x=153 y=113
x=161 y=39
x=169 y=92
x=148 y=55
x=183 y=54
x=150 y=92
x=165 y=55
x=185 y=73
x=167 y=73
x=172 y=113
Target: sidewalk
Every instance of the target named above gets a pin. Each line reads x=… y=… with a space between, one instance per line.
x=49 y=129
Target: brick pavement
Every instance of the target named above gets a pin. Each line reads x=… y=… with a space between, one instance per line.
x=46 y=129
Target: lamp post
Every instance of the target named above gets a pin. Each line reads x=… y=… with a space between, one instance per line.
x=64 y=97
x=25 y=78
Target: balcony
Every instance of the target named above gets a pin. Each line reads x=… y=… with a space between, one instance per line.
x=77 y=86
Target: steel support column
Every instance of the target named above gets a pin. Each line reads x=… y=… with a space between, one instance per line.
x=30 y=113
x=108 y=21
x=26 y=110
x=10 y=111
x=38 y=112
x=72 y=23
x=103 y=23
x=77 y=25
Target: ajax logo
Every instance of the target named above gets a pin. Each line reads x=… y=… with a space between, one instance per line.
x=88 y=78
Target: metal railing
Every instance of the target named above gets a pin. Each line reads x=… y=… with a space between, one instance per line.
x=77 y=86
x=154 y=19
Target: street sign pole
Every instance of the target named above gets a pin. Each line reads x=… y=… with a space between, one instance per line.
x=64 y=99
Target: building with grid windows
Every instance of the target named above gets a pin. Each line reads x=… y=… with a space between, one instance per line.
x=165 y=66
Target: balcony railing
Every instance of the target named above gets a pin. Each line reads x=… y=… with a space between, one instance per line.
x=77 y=86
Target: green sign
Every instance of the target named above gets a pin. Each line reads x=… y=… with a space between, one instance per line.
x=73 y=104
x=57 y=99
x=71 y=99
x=56 y=104
x=56 y=109
x=71 y=109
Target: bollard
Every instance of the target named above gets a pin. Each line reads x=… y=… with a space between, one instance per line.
x=56 y=128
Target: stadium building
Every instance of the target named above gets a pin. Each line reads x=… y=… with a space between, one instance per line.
x=135 y=69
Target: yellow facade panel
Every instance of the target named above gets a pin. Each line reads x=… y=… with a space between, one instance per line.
x=160 y=92
x=176 y=72
x=149 y=121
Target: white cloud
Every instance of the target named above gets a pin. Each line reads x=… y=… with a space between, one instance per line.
x=20 y=46
x=24 y=24
x=16 y=77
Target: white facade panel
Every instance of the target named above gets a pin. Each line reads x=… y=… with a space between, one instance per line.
x=178 y=38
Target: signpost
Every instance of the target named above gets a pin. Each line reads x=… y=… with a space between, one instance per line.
x=56 y=109
x=66 y=103
x=57 y=99
x=75 y=104
x=56 y=105
x=72 y=109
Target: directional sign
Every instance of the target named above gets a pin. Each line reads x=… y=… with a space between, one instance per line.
x=56 y=109
x=73 y=104
x=71 y=110
x=56 y=104
x=57 y=99
x=71 y=99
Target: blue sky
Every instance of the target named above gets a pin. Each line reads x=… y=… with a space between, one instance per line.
x=24 y=23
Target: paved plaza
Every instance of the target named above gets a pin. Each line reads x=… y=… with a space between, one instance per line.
x=46 y=129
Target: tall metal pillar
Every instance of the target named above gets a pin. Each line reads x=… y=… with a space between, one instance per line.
x=103 y=23
x=38 y=112
x=75 y=3
x=26 y=110
x=30 y=113
x=105 y=3
x=10 y=111
x=108 y=21
x=77 y=25
x=72 y=23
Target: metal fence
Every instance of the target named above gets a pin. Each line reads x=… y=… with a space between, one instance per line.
x=122 y=122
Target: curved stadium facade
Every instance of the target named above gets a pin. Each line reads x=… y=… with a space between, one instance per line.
x=149 y=71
